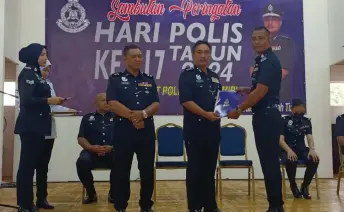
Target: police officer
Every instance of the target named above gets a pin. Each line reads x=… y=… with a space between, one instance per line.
x=282 y=45
x=134 y=98
x=295 y=128
x=95 y=137
x=47 y=147
x=34 y=120
x=264 y=99
x=198 y=88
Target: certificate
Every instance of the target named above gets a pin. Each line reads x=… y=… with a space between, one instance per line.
x=226 y=101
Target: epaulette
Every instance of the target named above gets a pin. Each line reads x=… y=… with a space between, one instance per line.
x=286 y=117
x=341 y=116
x=306 y=118
x=118 y=74
x=283 y=36
x=147 y=75
x=188 y=68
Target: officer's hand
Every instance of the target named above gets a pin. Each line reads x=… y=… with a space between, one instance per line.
x=243 y=90
x=97 y=149
x=55 y=100
x=139 y=125
x=211 y=116
x=233 y=114
x=107 y=148
x=136 y=116
x=292 y=156
x=312 y=154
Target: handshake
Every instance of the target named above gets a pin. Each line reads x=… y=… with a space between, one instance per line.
x=137 y=118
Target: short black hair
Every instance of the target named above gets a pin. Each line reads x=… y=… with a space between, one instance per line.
x=128 y=48
x=200 y=42
x=262 y=28
x=297 y=102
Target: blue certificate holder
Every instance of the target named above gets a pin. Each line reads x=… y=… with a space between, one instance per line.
x=226 y=101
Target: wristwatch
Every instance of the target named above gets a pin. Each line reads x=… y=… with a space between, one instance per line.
x=145 y=115
x=238 y=110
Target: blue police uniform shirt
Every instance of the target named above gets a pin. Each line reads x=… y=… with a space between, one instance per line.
x=34 y=115
x=268 y=72
x=340 y=125
x=136 y=93
x=97 y=128
x=294 y=130
x=201 y=88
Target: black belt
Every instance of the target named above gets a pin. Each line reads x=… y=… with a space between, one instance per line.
x=255 y=110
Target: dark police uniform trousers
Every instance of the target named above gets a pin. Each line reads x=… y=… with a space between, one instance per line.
x=97 y=129
x=201 y=137
x=33 y=124
x=42 y=169
x=266 y=123
x=136 y=93
x=294 y=130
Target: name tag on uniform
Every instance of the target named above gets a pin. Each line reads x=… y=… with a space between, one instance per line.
x=215 y=80
x=144 y=84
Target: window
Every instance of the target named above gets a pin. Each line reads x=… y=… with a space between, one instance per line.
x=10 y=88
x=337 y=94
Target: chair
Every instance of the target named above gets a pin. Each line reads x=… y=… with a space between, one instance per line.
x=84 y=193
x=341 y=166
x=170 y=143
x=233 y=143
x=300 y=164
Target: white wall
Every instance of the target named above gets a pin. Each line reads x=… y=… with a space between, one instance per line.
x=336 y=31
x=2 y=75
x=317 y=85
x=12 y=28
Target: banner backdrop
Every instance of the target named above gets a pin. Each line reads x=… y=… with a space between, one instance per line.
x=85 y=39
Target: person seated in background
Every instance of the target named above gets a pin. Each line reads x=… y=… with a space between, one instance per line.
x=95 y=137
x=47 y=145
x=295 y=128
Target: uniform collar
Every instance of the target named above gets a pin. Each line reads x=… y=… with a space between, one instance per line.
x=199 y=70
x=267 y=51
x=127 y=73
x=105 y=114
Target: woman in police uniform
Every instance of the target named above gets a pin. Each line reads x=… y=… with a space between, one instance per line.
x=295 y=128
x=34 y=120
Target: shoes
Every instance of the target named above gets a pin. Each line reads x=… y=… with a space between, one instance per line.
x=45 y=205
x=123 y=210
x=148 y=210
x=214 y=210
x=275 y=209
x=296 y=192
x=305 y=192
x=90 y=199
x=33 y=209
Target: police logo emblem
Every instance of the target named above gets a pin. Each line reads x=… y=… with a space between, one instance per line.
x=290 y=122
x=73 y=17
x=198 y=77
x=226 y=103
x=270 y=8
x=124 y=79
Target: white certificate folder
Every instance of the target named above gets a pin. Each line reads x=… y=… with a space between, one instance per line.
x=226 y=101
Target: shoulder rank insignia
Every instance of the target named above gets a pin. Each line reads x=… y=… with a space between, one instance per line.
x=188 y=68
x=147 y=75
x=117 y=74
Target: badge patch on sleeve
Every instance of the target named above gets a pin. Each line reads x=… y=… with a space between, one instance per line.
x=30 y=82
